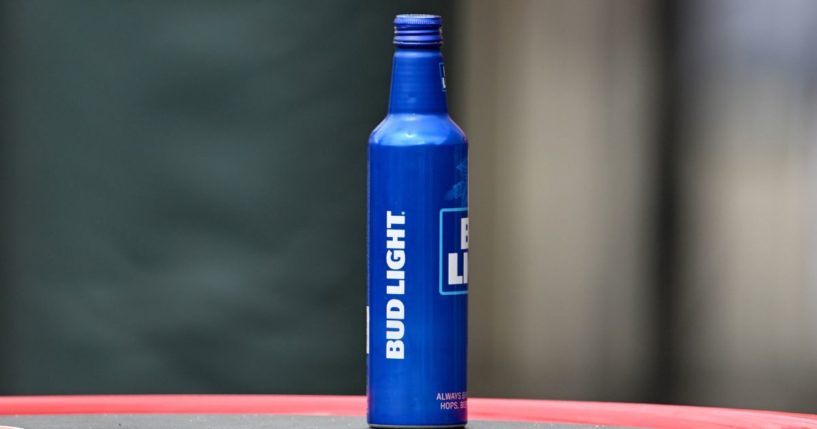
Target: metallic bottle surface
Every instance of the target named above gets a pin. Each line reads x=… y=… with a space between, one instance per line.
x=417 y=310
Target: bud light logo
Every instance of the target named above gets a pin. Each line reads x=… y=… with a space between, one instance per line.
x=454 y=251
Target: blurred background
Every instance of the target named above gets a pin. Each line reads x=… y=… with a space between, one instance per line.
x=183 y=196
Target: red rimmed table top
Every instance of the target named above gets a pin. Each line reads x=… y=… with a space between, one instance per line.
x=518 y=410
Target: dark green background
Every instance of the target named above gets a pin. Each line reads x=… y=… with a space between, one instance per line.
x=184 y=193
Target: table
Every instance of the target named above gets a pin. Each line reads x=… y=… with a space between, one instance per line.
x=307 y=411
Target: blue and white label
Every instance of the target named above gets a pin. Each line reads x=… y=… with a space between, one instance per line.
x=454 y=251
x=418 y=240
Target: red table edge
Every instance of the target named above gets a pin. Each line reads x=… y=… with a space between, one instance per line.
x=521 y=410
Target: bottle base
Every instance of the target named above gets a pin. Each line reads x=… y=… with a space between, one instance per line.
x=379 y=426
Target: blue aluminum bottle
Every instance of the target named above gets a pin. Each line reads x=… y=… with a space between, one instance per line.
x=417 y=243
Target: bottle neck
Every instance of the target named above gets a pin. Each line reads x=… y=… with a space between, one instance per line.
x=417 y=81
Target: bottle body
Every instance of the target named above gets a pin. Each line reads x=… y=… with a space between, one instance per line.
x=418 y=281
x=417 y=254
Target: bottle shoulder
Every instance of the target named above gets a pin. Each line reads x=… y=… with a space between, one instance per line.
x=413 y=130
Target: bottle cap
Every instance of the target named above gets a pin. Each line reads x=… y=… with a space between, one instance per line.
x=418 y=30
